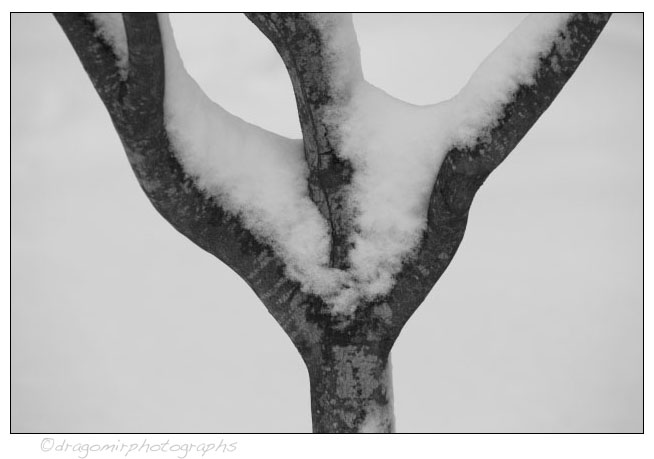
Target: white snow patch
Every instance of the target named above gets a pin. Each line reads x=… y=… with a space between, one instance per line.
x=396 y=150
x=110 y=27
x=512 y=64
x=255 y=174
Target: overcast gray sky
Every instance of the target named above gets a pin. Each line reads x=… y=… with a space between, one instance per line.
x=119 y=323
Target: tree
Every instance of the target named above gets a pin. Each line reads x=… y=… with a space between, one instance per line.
x=343 y=235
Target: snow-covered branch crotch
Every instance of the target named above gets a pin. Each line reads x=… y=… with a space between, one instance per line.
x=393 y=180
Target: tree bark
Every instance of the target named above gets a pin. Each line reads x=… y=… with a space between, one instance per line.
x=351 y=390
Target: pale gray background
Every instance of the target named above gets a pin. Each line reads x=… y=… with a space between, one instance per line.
x=121 y=324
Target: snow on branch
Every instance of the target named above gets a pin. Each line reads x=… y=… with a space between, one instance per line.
x=397 y=149
x=136 y=106
x=514 y=63
x=511 y=89
x=255 y=174
x=359 y=207
x=321 y=54
x=340 y=55
x=502 y=101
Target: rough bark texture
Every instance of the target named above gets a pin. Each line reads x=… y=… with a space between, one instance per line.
x=351 y=390
x=303 y=51
x=346 y=356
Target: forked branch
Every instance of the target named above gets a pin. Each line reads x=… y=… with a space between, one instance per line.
x=315 y=64
x=346 y=353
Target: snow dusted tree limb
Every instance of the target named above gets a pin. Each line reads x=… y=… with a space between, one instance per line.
x=341 y=280
x=466 y=168
x=308 y=56
x=136 y=108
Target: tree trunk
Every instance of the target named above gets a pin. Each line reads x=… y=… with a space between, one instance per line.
x=351 y=390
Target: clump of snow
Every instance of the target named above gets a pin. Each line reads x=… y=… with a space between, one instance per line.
x=478 y=104
x=110 y=27
x=396 y=150
x=255 y=174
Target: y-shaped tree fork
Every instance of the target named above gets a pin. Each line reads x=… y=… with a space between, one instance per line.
x=346 y=355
